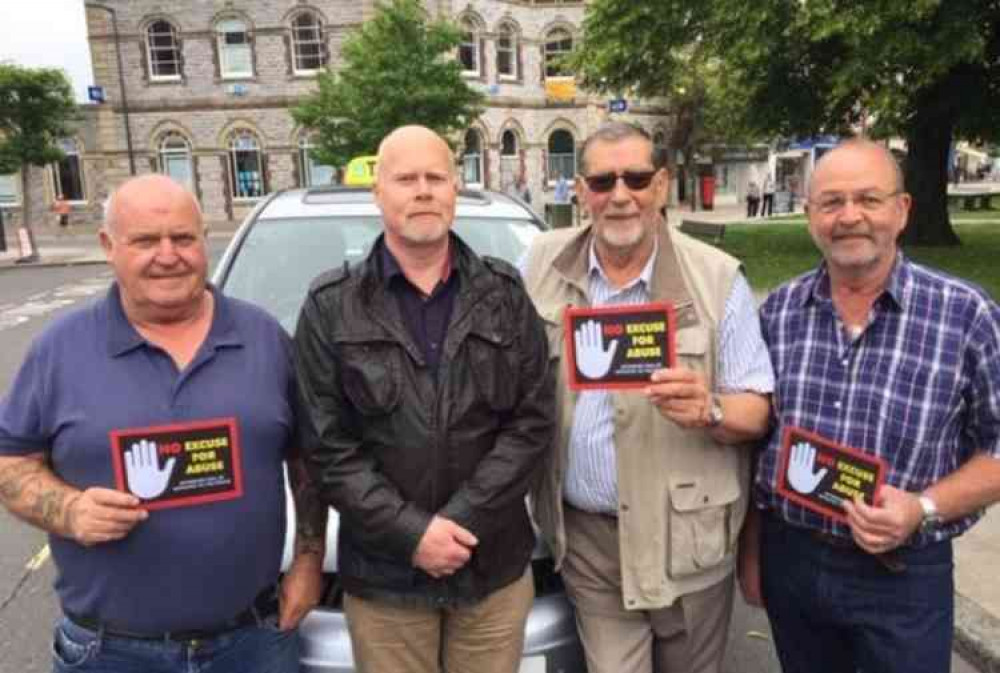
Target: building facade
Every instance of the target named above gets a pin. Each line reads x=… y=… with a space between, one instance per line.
x=209 y=85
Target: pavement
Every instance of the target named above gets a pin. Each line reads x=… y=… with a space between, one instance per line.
x=977 y=553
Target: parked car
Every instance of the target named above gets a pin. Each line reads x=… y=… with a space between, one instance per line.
x=284 y=243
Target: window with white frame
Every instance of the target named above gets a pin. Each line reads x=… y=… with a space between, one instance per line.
x=558 y=45
x=472 y=159
x=312 y=171
x=562 y=155
x=510 y=160
x=67 y=175
x=308 y=47
x=163 y=50
x=468 y=48
x=246 y=165
x=9 y=193
x=235 y=54
x=175 y=159
x=507 y=48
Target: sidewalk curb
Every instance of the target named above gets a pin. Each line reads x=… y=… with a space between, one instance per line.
x=977 y=635
x=56 y=262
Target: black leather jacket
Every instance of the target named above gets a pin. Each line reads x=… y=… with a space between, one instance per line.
x=391 y=446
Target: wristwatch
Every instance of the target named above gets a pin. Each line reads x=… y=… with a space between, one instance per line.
x=932 y=518
x=715 y=412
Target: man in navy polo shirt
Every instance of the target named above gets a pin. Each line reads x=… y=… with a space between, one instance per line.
x=900 y=362
x=146 y=434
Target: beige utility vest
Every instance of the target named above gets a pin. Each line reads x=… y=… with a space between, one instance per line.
x=682 y=496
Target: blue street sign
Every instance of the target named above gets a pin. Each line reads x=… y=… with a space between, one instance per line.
x=617 y=105
x=95 y=93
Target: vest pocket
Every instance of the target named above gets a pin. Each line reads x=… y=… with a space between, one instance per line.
x=699 y=524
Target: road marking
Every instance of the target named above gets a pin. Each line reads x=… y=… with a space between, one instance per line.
x=39 y=559
x=43 y=303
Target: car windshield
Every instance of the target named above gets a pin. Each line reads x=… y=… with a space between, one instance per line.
x=278 y=258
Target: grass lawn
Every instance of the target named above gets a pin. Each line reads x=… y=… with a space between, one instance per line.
x=780 y=249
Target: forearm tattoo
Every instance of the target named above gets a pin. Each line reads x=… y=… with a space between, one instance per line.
x=30 y=491
x=310 y=510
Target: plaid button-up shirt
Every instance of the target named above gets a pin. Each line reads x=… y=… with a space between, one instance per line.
x=919 y=387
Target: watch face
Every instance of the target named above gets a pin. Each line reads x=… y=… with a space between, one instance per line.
x=715 y=413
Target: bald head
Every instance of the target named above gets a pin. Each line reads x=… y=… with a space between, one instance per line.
x=862 y=152
x=406 y=140
x=149 y=193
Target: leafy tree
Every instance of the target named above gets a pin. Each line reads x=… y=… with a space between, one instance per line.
x=926 y=70
x=37 y=108
x=398 y=69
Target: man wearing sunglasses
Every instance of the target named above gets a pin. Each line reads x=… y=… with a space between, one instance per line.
x=646 y=490
x=899 y=362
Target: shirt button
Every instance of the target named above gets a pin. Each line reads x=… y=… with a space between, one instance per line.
x=844 y=362
x=836 y=405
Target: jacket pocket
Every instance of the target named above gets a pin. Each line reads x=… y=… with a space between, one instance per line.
x=700 y=524
x=493 y=364
x=692 y=347
x=371 y=375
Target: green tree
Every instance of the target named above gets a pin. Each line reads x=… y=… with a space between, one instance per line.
x=37 y=108
x=926 y=70
x=398 y=68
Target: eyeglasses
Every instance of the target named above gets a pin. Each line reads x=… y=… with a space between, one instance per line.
x=870 y=201
x=605 y=182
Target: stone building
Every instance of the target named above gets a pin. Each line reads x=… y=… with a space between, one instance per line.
x=209 y=84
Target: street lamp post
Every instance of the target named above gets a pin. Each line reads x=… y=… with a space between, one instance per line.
x=121 y=82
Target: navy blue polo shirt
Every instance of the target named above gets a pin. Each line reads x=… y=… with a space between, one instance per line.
x=426 y=316
x=90 y=373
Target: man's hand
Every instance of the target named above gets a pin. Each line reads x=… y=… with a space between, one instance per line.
x=300 y=591
x=592 y=358
x=102 y=515
x=444 y=548
x=887 y=525
x=682 y=396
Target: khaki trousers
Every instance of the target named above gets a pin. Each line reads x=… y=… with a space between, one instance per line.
x=686 y=637
x=487 y=636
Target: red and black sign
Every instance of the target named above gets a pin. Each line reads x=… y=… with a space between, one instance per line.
x=820 y=474
x=180 y=464
x=618 y=347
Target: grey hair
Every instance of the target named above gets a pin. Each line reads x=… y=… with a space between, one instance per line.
x=612 y=132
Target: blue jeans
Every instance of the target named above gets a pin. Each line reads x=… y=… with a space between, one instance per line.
x=260 y=648
x=839 y=609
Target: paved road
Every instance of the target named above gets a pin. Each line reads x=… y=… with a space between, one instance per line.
x=29 y=298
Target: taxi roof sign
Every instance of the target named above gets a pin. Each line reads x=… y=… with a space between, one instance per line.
x=360 y=172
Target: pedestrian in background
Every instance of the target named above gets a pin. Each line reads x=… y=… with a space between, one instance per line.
x=62 y=208
x=767 y=207
x=753 y=198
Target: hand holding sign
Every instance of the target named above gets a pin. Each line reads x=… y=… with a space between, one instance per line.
x=592 y=359
x=142 y=467
x=800 y=468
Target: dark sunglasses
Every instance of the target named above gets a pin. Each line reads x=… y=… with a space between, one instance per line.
x=605 y=182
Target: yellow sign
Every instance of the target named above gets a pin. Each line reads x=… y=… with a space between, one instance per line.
x=360 y=172
x=560 y=88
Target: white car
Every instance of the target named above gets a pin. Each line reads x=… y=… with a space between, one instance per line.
x=289 y=239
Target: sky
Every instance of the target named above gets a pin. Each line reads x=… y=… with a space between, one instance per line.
x=49 y=33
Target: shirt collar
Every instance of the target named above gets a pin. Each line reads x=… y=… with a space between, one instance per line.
x=391 y=270
x=895 y=287
x=645 y=276
x=123 y=337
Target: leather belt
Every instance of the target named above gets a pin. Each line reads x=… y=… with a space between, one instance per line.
x=263 y=606
x=888 y=559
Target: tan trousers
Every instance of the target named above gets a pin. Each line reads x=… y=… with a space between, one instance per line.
x=686 y=637
x=487 y=636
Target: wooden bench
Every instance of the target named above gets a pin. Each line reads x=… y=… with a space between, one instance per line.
x=973 y=200
x=707 y=230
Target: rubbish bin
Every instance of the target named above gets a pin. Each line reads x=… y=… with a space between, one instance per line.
x=3 y=236
x=707 y=192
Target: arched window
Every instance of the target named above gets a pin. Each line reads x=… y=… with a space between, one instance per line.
x=235 y=56
x=313 y=173
x=562 y=155
x=68 y=173
x=246 y=165
x=308 y=46
x=472 y=159
x=175 y=159
x=510 y=160
x=163 y=50
x=558 y=44
x=508 y=46
x=468 y=48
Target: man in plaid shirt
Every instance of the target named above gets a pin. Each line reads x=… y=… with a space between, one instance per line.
x=874 y=352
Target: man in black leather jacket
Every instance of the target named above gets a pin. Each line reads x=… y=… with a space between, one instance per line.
x=425 y=375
